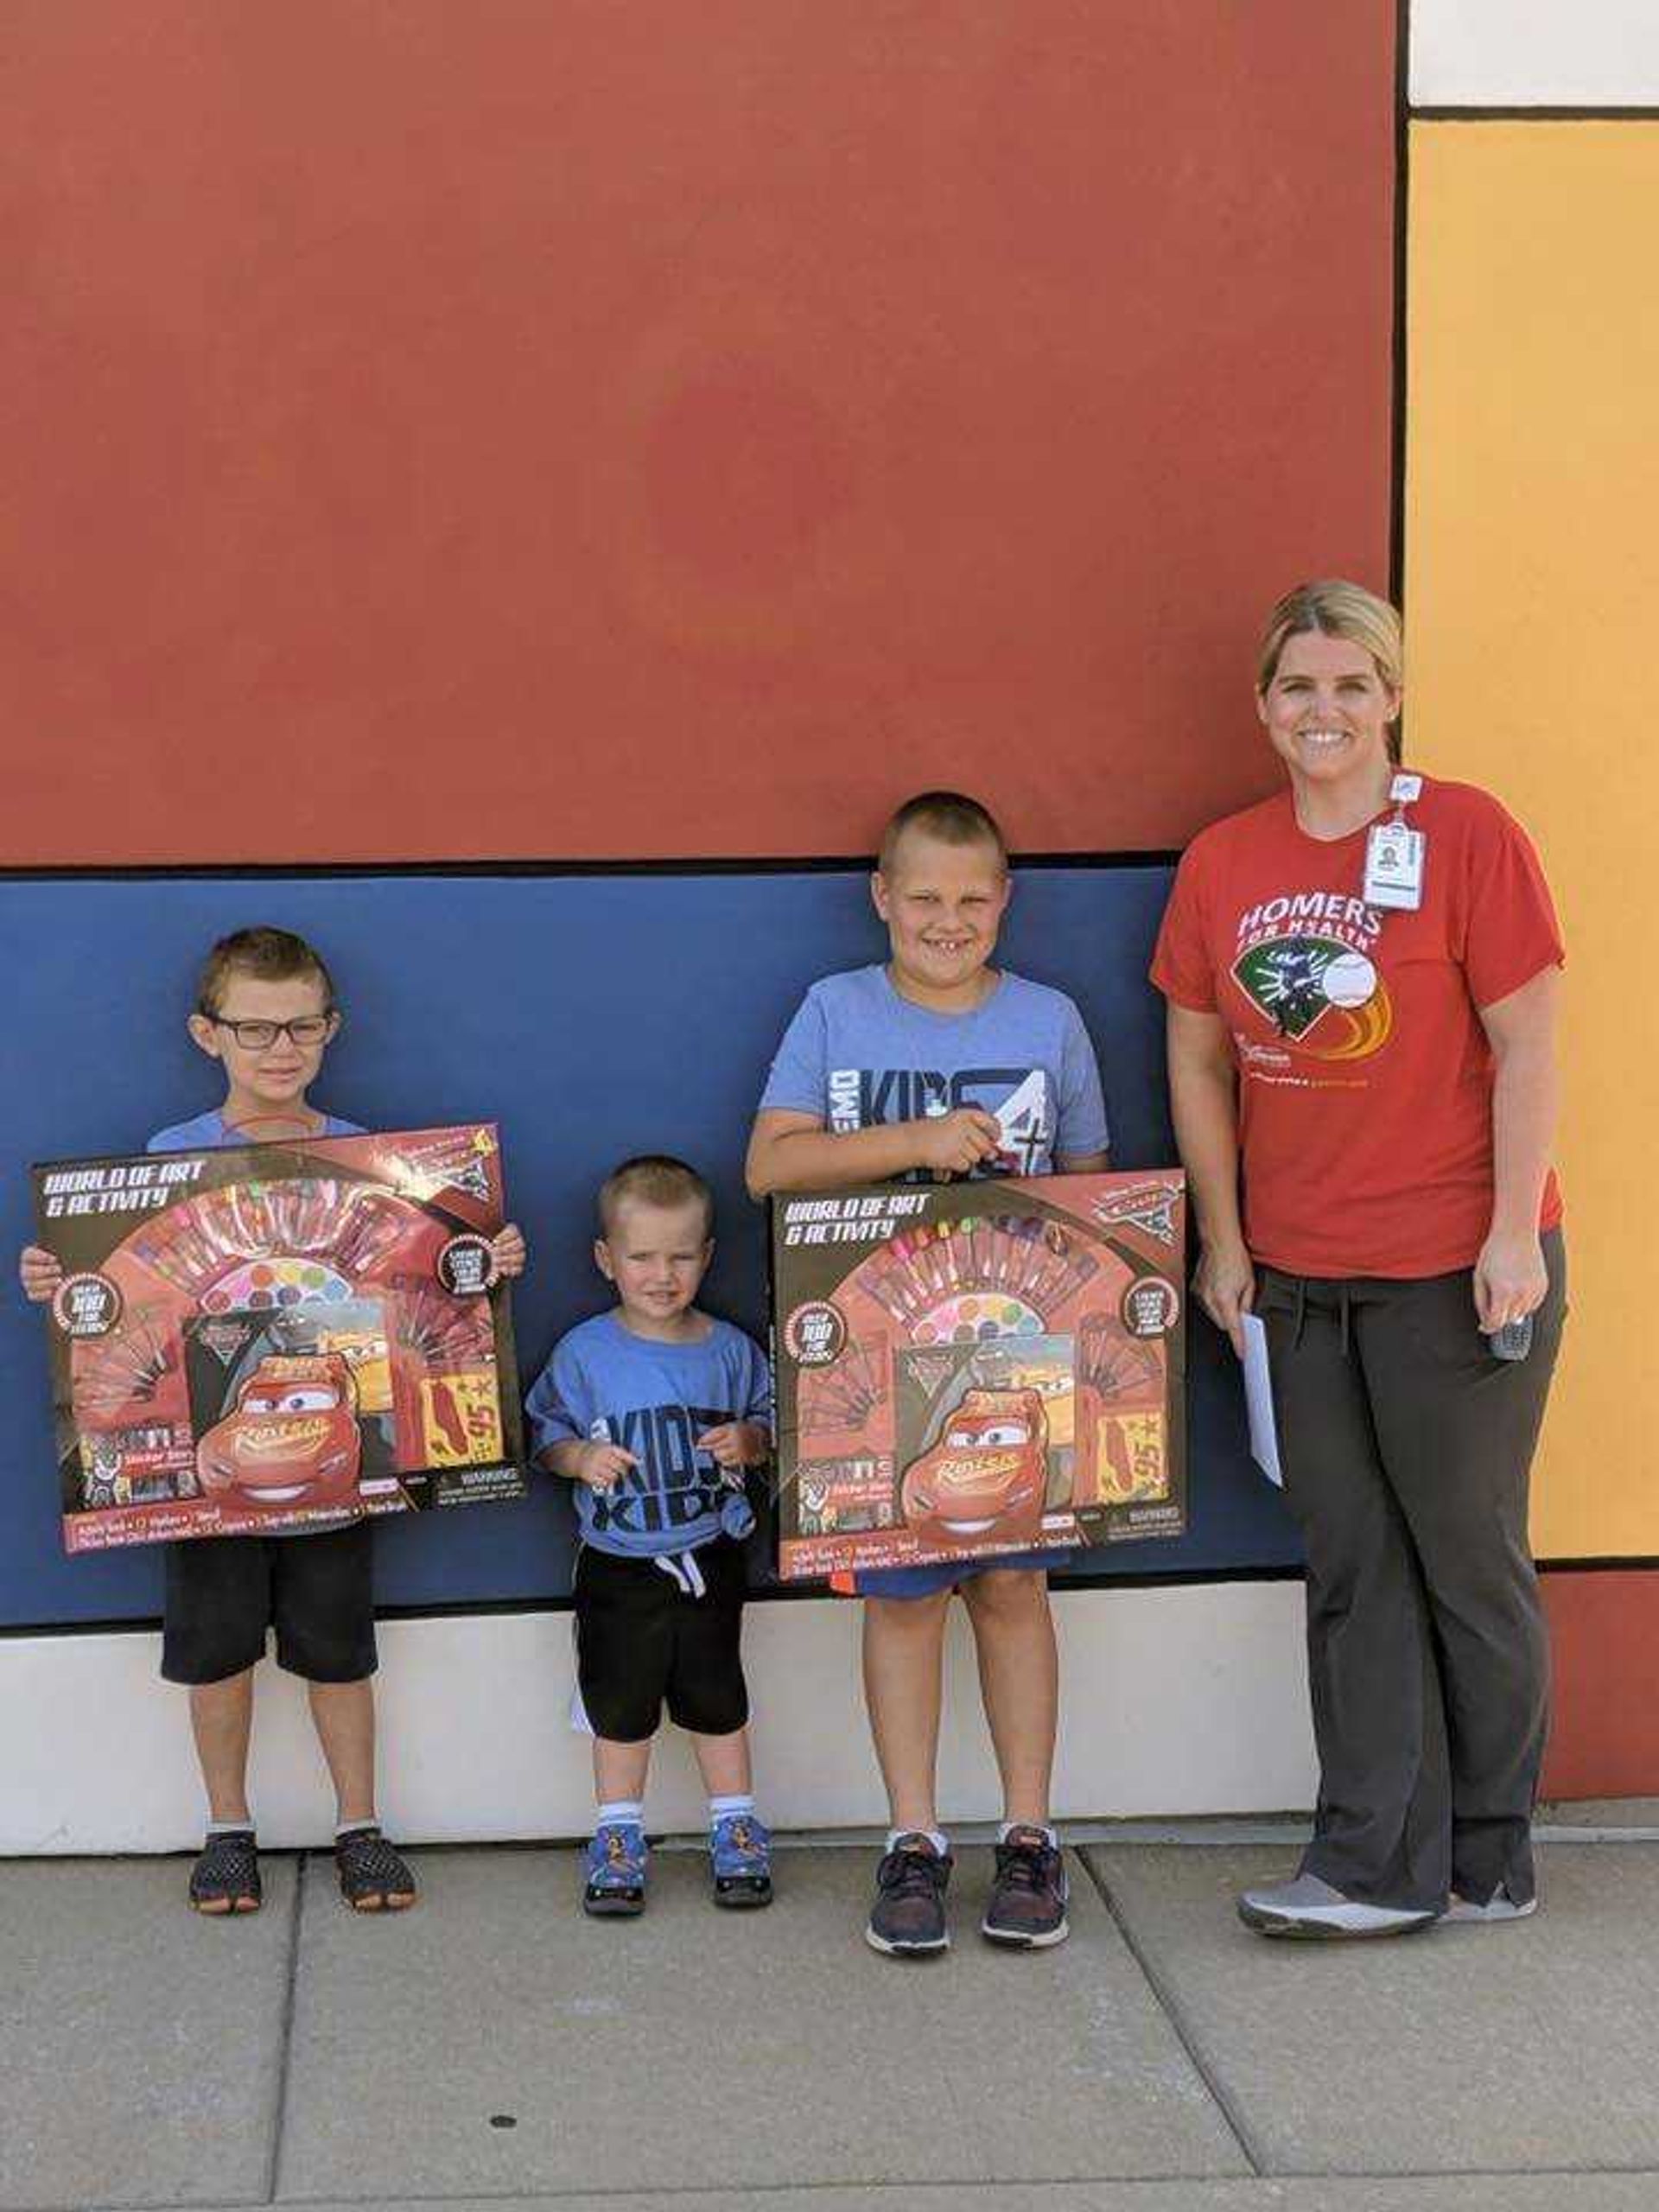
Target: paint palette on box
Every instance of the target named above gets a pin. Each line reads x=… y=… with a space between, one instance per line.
x=970 y=1369
x=271 y=1336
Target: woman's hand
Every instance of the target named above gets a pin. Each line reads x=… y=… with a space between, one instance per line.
x=1510 y=1278
x=1225 y=1280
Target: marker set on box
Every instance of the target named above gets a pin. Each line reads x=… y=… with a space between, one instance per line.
x=203 y=1238
x=981 y=1276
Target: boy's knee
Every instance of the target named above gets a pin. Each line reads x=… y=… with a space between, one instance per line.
x=1009 y=1593
x=897 y=1618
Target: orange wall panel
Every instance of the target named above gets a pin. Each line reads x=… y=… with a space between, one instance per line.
x=1532 y=575
x=633 y=429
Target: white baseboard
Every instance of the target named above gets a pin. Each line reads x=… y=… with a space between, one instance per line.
x=1182 y=1700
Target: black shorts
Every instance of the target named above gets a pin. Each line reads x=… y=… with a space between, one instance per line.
x=223 y=1593
x=641 y=1639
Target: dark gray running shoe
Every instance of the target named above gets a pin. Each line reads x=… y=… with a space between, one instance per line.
x=907 y=1919
x=1028 y=1903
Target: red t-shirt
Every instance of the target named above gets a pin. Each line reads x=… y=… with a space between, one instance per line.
x=1365 y=1079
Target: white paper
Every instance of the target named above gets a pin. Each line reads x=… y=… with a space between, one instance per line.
x=1021 y=1115
x=1258 y=1397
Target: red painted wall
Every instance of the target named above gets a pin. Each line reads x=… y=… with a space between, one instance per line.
x=620 y=428
x=1603 y=1739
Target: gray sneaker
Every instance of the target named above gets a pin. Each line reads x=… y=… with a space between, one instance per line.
x=907 y=1919
x=1310 y=1907
x=1499 y=1906
x=1027 y=1901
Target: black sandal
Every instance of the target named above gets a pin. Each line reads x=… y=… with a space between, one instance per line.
x=226 y=1878
x=373 y=1876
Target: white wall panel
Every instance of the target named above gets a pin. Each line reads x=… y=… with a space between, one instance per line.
x=1181 y=1700
x=1534 y=52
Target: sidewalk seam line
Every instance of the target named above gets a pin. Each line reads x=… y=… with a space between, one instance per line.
x=627 y=2192
x=1220 y=2095
x=285 y=2046
x=1596 y=2167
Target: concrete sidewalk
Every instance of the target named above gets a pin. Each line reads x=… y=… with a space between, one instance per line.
x=495 y=2045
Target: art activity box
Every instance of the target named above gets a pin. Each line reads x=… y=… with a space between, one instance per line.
x=275 y=1335
x=973 y=1369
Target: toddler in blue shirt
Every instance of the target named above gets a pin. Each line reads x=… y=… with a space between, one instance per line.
x=654 y=1410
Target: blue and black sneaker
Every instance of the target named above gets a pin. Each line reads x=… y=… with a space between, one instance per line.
x=739 y=1857
x=616 y=1871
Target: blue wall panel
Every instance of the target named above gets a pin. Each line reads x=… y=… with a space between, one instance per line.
x=593 y=1016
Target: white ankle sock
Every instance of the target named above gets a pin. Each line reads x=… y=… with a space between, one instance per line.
x=230 y=1827
x=1047 y=1828
x=621 y=1813
x=935 y=1836
x=728 y=1809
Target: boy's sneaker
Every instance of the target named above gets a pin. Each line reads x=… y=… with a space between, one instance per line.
x=616 y=1871
x=739 y=1858
x=373 y=1877
x=1027 y=1903
x=226 y=1877
x=907 y=1919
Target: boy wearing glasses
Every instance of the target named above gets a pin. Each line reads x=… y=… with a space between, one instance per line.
x=265 y=1011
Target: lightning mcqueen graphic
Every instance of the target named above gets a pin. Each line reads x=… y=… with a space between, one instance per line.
x=988 y=1473
x=292 y=1439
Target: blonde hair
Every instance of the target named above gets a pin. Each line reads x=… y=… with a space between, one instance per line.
x=1336 y=609
x=654 y=1179
x=951 y=816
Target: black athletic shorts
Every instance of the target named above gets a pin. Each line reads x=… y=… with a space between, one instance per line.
x=642 y=1639
x=223 y=1593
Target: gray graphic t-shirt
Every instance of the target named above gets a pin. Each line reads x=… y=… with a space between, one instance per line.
x=857 y=1055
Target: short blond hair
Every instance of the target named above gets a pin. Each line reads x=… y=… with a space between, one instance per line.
x=654 y=1179
x=951 y=816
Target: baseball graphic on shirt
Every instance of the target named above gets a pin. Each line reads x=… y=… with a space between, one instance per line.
x=1323 y=996
x=1349 y=980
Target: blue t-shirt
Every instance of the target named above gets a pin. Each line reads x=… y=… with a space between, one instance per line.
x=605 y=1384
x=857 y=1056
x=213 y=1131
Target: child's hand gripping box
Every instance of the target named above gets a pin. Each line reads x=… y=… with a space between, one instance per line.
x=970 y=1369
x=279 y=1336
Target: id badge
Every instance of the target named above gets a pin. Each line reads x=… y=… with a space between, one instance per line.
x=1394 y=866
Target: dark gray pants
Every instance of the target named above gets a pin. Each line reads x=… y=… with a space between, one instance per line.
x=1407 y=1449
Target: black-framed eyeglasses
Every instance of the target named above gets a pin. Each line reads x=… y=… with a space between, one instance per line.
x=260 y=1036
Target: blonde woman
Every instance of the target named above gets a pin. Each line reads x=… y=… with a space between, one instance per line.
x=1361 y=975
